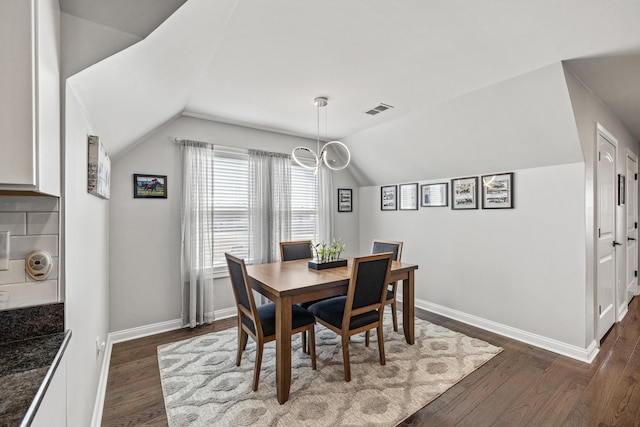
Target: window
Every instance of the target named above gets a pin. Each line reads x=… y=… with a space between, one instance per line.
x=304 y=204
x=231 y=206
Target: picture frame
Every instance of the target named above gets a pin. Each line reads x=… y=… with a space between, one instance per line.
x=497 y=191
x=434 y=195
x=389 y=198
x=409 y=197
x=621 y=189
x=345 y=200
x=147 y=186
x=98 y=169
x=464 y=193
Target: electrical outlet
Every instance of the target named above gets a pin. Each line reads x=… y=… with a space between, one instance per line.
x=100 y=345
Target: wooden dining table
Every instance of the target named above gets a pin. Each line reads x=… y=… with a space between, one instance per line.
x=291 y=282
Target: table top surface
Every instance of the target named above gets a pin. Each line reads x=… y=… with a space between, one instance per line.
x=290 y=277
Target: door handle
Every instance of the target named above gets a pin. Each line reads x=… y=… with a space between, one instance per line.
x=616 y=244
x=630 y=238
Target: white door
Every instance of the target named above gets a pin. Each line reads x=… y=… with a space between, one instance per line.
x=606 y=237
x=632 y=226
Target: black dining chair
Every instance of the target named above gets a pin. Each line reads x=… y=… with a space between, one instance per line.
x=290 y=251
x=381 y=246
x=260 y=322
x=362 y=308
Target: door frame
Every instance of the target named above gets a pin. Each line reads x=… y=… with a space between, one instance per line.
x=632 y=186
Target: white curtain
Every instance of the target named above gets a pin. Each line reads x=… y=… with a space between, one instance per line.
x=326 y=206
x=197 y=233
x=269 y=204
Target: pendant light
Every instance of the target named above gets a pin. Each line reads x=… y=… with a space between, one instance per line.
x=334 y=154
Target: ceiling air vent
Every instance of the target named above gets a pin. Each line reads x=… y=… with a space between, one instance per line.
x=378 y=109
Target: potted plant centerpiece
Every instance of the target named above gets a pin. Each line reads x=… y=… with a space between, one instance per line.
x=327 y=256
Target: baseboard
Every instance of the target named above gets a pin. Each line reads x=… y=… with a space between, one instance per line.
x=131 y=334
x=581 y=354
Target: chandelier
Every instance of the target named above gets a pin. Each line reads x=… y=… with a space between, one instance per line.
x=334 y=154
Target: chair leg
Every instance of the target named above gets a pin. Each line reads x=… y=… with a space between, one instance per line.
x=366 y=339
x=394 y=314
x=312 y=346
x=345 y=358
x=380 y=343
x=304 y=342
x=242 y=343
x=256 y=372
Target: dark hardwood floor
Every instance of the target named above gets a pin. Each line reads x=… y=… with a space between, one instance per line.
x=522 y=386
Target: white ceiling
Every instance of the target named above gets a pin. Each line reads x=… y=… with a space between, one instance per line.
x=261 y=63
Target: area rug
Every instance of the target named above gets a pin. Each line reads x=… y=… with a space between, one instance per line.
x=202 y=386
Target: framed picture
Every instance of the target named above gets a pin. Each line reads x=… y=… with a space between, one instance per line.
x=497 y=191
x=149 y=186
x=621 y=189
x=345 y=199
x=464 y=193
x=434 y=194
x=98 y=169
x=409 y=197
x=388 y=198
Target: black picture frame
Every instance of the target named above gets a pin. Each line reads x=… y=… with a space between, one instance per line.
x=497 y=191
x=345 y=200
x=389 y=197
x=464 y=193
x=147 y=186
x=434 y=195
x=621 y=189
x=408 y=197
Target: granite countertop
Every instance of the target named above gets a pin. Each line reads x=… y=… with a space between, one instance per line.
x=32 y=343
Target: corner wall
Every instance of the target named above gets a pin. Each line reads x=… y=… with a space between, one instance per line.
x=148 y=293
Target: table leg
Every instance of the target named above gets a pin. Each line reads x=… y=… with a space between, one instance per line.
x=408 y=308
x=283 y=348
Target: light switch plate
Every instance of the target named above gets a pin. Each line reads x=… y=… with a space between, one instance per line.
x=4 y=250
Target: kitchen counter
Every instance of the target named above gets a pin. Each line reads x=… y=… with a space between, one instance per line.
x=32 y=343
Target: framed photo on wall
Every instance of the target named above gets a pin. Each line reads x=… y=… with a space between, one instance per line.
x=464 y=193
x=408 y=197
x=388 y=198
x=434 y=194
x=147 y=186
x=345 y=200
x=621 y=189
x=98 y=169
x=497 y=191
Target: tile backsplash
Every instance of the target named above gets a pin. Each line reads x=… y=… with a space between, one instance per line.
x=33 y=222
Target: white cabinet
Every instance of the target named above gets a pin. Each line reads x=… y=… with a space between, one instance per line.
x=30 y=96
x=52 y=411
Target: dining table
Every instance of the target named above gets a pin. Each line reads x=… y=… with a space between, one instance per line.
x=292 y=282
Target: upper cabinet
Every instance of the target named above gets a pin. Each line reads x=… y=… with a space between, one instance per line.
x=30 y=96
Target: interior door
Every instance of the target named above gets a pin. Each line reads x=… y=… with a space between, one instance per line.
x=632 y=226
x=606 y=238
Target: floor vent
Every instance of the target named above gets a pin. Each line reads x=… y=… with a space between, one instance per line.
x=378 y=109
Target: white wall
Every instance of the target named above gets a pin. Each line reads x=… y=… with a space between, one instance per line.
x=86 y=267
x=145 y=234
x=520 y=123
x=522 y=268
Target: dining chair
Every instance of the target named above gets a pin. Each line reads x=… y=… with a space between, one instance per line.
x=260 y=322
x=362 y=308
x=290 y=251
x=381 y=246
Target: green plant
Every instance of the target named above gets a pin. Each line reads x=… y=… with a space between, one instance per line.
x=328 y=253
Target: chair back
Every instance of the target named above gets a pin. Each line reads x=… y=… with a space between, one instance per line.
x=381 y=246
x=290 y=251
x=242 y=291
x=368 y=284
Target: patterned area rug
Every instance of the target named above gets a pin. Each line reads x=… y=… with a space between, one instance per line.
x=203 y=387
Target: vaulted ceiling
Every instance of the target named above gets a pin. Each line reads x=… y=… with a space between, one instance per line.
x=261 y=63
